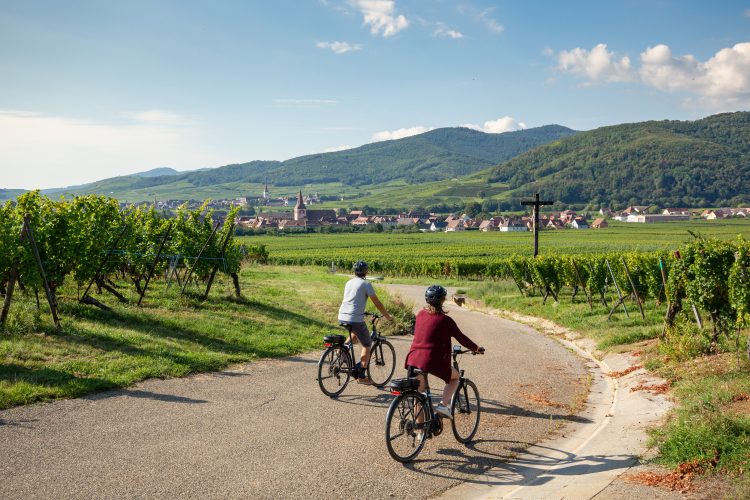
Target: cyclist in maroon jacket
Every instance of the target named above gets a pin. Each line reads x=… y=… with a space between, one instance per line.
x=431 y=348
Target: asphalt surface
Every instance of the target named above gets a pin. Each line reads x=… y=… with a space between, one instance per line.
x=264 y=429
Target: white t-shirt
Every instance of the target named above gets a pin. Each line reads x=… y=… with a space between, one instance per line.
x=352 y=307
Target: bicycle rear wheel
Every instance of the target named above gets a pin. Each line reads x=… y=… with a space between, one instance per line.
x=406 y=425
x=382 y=363
x=334 y=370
x=465 y=409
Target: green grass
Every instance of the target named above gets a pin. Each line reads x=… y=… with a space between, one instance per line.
x=284 y=311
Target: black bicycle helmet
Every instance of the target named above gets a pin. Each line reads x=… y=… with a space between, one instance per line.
x=435 y=295
x=360 y=268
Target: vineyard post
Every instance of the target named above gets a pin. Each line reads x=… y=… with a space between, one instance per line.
x=601 y=290
x=664 y=287
x=221 y=255
x=621 y=299
x=8 y=294
x=153 y=265
x=632 y=285
x=197 y=259
x=579 y=280
x=104 y=262
x=26 y=232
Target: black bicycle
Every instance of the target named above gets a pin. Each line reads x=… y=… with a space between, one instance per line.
x=337 y=365
x=411 y=419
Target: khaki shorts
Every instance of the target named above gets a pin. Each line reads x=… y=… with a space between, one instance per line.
x=362 y=333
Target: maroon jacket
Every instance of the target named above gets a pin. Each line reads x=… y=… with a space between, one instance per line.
x=431 y=348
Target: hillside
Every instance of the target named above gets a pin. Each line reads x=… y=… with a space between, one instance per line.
x=439 y=154
x=670 y=163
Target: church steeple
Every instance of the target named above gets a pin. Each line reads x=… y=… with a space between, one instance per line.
x=300 y=210
x=265 y=191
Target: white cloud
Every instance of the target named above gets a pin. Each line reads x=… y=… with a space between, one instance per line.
x=596 y=65
x=337 y=148
x=491 y=23
x=386 y=135
x=42 y=151
x=339 y=47
x=504 y=124
x=721 y=81
x=380 y=16
x=445 y=31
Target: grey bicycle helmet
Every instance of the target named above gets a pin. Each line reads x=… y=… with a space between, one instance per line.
x=360 y=268
x=435 y=295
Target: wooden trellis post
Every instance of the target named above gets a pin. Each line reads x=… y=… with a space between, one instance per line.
x=632 y=285
x=197 y=259
x=103 y=263
x=26 y=232
x=621 y=299
x=221 y=255
x=153 y=265
x=580 y=280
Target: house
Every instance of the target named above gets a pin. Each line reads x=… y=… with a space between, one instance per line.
x=455 y=225
x=386 y=222
x=605 y=212
x=512 y=225
x=599 y=223
x=579 y=223
x=487 y=225
x=636 y=209
x=362 y=220
x=714 y=214
x=567 y=216
x=676 y=211
x=292 y=225
x=555 y=224
x=652 y=218
x=438 y=225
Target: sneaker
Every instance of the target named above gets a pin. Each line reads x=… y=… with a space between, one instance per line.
x=443 y=410
x=364 y=380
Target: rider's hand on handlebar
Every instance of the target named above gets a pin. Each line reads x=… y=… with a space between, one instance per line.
x=479 y=351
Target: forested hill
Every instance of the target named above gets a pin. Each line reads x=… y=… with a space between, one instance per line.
x=670 y=163
x=439 y=154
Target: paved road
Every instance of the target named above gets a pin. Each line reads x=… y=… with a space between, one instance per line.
x=265 y=430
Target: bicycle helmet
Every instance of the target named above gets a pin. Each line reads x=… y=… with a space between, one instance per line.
x=435 y=295
x=360 y=268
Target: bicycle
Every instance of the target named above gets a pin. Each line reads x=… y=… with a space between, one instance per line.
x=411 y=418
x=337 y=365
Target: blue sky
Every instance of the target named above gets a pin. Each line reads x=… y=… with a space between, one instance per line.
x=98 y=88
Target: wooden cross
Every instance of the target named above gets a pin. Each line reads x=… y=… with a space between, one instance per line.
x=536 y=204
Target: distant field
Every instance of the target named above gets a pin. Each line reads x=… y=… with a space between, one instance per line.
x=383 y=247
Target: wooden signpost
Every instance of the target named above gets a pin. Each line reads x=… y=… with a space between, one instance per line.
x=536 y=204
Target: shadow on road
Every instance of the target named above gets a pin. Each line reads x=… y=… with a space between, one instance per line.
x=495 y=470
x=167 y=398
x=495 y=407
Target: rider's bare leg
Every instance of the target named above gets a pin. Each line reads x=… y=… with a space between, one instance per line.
x=450 y=388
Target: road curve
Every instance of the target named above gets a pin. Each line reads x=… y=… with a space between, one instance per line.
x=264 y=429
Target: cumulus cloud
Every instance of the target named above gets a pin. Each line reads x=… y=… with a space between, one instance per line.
x=44 y=151
x=442 y=30
x=722 y=80
x=339 y=47
x=596 y=65
x=380 y=16
x=386 y=135
x=504 y=124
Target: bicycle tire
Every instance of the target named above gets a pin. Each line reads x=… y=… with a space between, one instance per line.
x=466 y=410
x=402 y=433
x=382 y=363
x=334 y=370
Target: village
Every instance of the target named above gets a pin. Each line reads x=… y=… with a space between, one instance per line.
x=302 y=219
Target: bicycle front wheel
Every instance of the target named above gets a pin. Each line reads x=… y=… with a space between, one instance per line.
x=382 y=363
x=334 y=370
x=406 y=426
x=465 y=410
